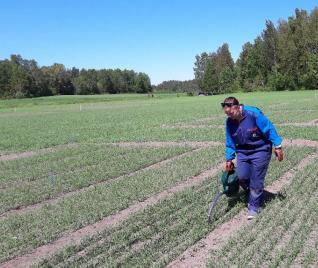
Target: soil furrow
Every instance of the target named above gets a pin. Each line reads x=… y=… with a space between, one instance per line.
x=300 y=142
x=302 y=124
x=14 y=156
x=192 y=126
x=160 y=144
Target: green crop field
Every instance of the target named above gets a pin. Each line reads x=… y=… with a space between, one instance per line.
x=126 y=181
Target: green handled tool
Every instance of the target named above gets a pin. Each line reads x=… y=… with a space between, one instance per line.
x=231 y=187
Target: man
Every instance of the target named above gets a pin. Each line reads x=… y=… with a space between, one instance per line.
x=250 y=136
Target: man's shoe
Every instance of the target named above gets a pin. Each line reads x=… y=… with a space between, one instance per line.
x=251 y=214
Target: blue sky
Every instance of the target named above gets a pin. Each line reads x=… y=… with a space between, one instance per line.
x=158 y=37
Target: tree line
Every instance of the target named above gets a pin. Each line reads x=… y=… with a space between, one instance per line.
x=282 y=57
x=24 y=78
x=177 y=86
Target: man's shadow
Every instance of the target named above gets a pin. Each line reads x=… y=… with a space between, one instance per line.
x=242 y=197
x=269 y=196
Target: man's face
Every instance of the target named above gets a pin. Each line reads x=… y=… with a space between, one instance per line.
x=232 y=111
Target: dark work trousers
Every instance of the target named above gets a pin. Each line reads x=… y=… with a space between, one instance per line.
x=251 y=170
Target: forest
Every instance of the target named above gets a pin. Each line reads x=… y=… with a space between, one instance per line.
x=282 y=57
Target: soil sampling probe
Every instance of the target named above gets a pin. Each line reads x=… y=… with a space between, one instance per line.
x=231 y=187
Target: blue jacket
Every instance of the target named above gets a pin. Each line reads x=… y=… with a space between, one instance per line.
x=255 y=132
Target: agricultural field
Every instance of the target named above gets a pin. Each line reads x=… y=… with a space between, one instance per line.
x=126 y=181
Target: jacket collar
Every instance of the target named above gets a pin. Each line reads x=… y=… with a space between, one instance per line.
x=244 y=114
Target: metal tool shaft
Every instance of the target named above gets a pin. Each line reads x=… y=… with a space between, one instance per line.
x=213 y=204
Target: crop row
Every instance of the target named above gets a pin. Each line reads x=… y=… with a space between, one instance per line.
x=278 y=234
x=58 y=159
x=20 y=233
x=309 y=132
x=277 y=116
x=295 y=115
x=111 y=123
x=69 y=158
x=50 y=179
x=139 y=120
x=160 y=233
x=307 y=256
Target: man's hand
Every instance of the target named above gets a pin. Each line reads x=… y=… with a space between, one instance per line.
x=279 y=154
x=229 y=166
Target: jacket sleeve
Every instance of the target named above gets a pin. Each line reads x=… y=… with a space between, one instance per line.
x=230 y=146
x=267 y=128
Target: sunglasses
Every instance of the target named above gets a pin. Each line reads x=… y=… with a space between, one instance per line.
x=224 y=104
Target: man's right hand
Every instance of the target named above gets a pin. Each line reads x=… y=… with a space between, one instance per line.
x=229 y=166
x=279 y=154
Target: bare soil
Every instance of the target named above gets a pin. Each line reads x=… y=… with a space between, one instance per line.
x=13 y=156
x=300 y=142
x=302 y=124
x=163 y=144
x=192 y=126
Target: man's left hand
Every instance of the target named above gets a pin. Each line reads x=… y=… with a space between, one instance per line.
x=229 y=166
